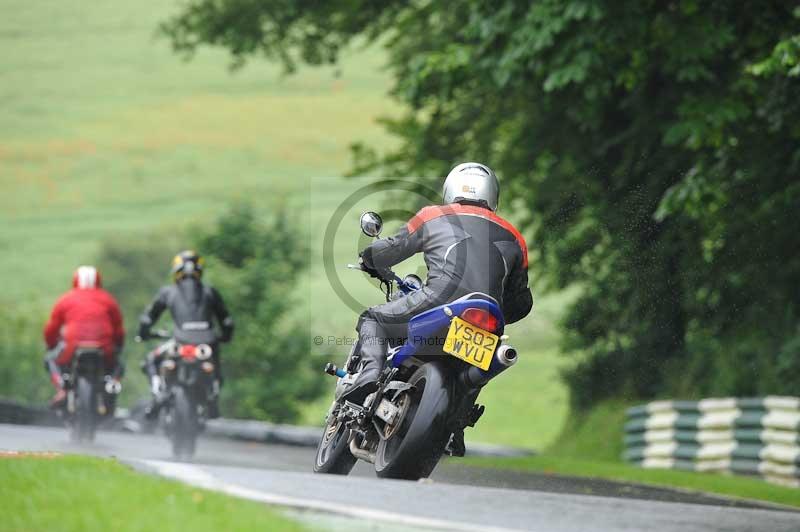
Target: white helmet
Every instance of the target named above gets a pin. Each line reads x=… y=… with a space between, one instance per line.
x=471 y=183
x=86 y=277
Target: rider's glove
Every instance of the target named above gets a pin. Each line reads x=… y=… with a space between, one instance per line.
x=155 y=384
x=371 y=271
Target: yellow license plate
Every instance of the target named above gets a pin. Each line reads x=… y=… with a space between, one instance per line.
x=471 y=344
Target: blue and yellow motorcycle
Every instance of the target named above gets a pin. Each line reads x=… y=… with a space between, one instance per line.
x=427 y=393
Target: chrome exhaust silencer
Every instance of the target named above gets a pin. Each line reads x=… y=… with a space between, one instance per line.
x=506 y=355
x=504 y=358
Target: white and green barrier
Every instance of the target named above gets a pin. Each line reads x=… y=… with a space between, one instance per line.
x=759 y=436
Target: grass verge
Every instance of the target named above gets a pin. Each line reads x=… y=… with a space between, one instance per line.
x=743 y=487
x=591 y=445
x=592 y=435
x=81 y=493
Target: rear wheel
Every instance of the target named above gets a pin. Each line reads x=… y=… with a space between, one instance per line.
x=333 y=452
x=184 y=424
x=85 y=419
x=416 y=441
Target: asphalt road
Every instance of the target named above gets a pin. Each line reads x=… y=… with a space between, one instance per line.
x=457 y=497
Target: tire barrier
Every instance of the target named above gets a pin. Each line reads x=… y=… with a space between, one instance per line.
x=754 y=436
x=263 y=432
x=22 y=414
x=17 y=413
x=126 y=420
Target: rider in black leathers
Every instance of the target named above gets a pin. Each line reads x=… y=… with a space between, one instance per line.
x=192 y=305
x=467 y=248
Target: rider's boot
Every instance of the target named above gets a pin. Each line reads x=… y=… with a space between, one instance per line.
x=151 y=410
x=213 y=408
x=156 y=387
x=213 y=400
x=373 y=357
x=60 y=397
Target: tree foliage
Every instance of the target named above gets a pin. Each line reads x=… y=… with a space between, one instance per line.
x=22 y=374
x=652 y=147
x=267 y=368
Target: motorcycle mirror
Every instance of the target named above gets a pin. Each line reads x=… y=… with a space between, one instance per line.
x=371 y=224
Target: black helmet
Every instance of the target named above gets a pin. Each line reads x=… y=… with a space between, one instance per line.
x=187 y=263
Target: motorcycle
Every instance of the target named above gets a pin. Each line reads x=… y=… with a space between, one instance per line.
x=91 y=393
x=426 y=395
x=187 y=377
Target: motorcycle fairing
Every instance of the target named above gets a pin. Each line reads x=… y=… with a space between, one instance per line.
x=427 y=324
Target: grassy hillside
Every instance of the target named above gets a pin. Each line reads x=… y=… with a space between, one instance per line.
x=105 y=134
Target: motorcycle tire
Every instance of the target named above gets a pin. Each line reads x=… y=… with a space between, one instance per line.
x=416 y=446
x=184 y=424
x=84 y=423
x=333 y=455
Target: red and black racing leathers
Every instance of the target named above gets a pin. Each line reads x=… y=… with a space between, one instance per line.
x=467 y=249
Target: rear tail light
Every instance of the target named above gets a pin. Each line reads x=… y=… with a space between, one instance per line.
x=188 y=351
x=480 y=318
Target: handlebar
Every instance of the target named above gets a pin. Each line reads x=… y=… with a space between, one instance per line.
x=385 y=275
x=389 y=277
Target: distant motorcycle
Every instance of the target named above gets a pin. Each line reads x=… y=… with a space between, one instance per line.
x=426 y=394
x=91 y=394
x=187 y=373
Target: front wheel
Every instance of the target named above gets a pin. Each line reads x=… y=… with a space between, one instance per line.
x=184 y=424
x=416 y=441
x=84 y=422
x=333 y=452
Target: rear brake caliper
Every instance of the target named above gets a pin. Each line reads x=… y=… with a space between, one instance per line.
x=392 y=407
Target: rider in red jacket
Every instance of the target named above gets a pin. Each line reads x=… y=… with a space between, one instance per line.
x=86 y=316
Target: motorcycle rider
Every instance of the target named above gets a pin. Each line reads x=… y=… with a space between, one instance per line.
x=86 y=316
x=192 y=305
x=467 y=248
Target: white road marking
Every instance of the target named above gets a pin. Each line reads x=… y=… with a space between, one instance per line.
x=195 y=476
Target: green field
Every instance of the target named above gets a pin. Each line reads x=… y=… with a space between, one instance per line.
x=40 y=493
x=105 y=134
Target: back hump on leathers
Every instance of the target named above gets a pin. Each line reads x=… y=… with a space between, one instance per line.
x=469 y=253
x=192 y=312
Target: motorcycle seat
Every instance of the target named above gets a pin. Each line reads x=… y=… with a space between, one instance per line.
x=478 y=295
x=89 y=348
